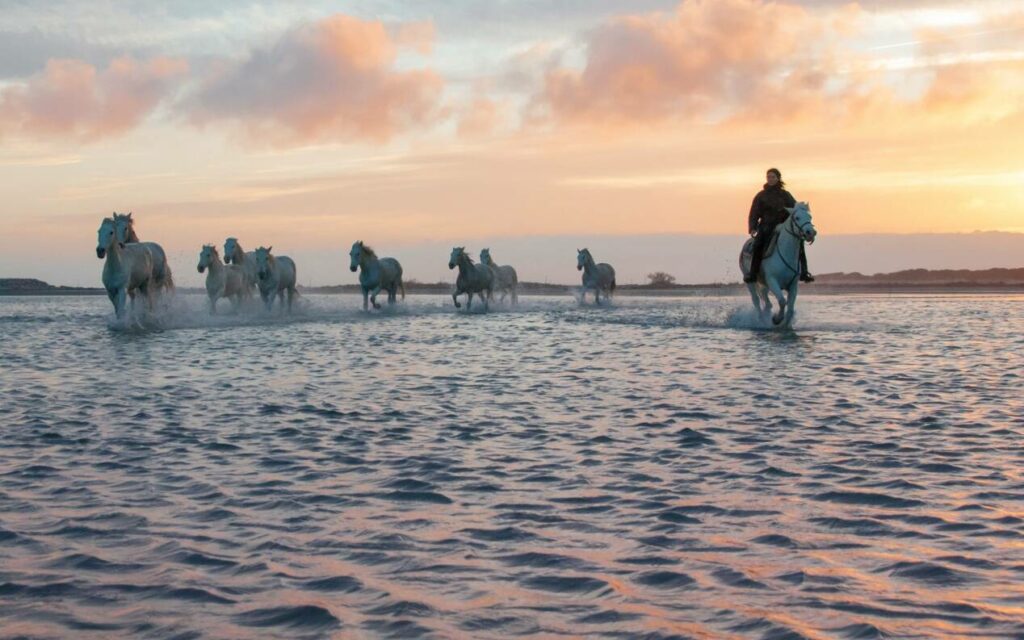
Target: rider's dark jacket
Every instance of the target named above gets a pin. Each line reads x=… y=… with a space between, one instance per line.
x=769 y=207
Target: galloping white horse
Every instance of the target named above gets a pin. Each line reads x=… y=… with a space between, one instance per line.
x=234 y=254
x=275 y=275
x=128 y=268
x=505 y=278
x=222 y=280
x=781 y=269
x=599 y=277
x=377 y=274
x=473 y=278
x=125 y=226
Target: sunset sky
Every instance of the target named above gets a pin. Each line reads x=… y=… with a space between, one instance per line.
x=531 y=126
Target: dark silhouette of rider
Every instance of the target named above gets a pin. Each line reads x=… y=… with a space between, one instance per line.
x=766 y=212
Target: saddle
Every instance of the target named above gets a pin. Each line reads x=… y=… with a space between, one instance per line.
x=748 y=249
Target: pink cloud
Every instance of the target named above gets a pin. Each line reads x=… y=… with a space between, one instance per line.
x=71 y=98
x=332 y=79
x=697 y=61
x=748 y=64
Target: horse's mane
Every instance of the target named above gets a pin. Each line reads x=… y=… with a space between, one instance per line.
x=368 y=250
x=130 y=234
x=468 y=257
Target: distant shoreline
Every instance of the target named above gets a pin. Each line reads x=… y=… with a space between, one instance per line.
x=634 y=291
x=913 y=281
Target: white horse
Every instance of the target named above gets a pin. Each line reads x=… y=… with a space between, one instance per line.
x=128 y=269
x=473 y=278
x=781 y=269
x=162 y=278
x=505 y=278
x=222 y=280
x=599 y=277
x=234 y=254
x=275 y=275
x=376 y=274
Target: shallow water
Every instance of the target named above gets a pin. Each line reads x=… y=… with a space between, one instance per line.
x=657 y=469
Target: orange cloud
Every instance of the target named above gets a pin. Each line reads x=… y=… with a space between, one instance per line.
x=334 y=79
x=695 y=62
x=72 y=99
x=744 y=64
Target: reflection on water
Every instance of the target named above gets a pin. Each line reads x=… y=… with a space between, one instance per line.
x=657 y=469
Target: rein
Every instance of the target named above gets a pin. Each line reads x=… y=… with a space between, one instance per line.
x=788 y=228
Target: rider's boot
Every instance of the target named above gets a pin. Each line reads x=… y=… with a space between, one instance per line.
x=805 y=275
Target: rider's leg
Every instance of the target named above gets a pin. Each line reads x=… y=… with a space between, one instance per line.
x=805 y=275
x=764 y=233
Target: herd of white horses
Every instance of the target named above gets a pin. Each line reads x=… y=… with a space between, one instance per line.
x=134 y=268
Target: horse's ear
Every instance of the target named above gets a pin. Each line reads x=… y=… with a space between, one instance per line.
x=129 y=215
x=270 y=248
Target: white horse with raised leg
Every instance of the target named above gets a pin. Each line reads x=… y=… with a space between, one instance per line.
x=473 y=278
x=276 y=276
x=780 y=269
x=376 y=274
x=127 y=271
x=596 y=276
x=222 y=280
x=236 y=255
x=505 y=278
x=162 y=278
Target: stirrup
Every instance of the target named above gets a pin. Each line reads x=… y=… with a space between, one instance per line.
x=806 y=277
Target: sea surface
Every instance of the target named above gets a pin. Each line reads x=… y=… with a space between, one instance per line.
x=660 y=468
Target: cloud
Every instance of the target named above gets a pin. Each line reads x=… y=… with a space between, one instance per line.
x=73 y=99
x=333 y=79
x=752 y=63
x=696 y=61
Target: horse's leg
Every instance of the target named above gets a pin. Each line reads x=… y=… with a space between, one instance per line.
x=752 y=288
x=487 y=299
x=280 y=300
x=366 y=299
x=766 y=301
x=373 y=296
x=213 y=305
x=791 y=302
x=776 y=290
x=597 y=296
x=455 y=299
x=119 y=302
x=469 y=300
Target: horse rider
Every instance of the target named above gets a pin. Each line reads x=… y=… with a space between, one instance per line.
x=766 y=212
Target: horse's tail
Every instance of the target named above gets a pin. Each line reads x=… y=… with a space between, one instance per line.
x=401 y=285
x=612 y=287
x=168 y=278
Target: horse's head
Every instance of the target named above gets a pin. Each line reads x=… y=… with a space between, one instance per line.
x=801 y=215
x=230 y=246
x=582 y=258
x=456 y=257
x=264 y=261
x=485 y=256
x=206 y=257
x=355 y=255
x=125 y=226
x=106 y=237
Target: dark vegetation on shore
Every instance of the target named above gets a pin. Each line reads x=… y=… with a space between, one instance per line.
x=662 y=284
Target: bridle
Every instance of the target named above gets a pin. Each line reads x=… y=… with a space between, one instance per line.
x=798 y=231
